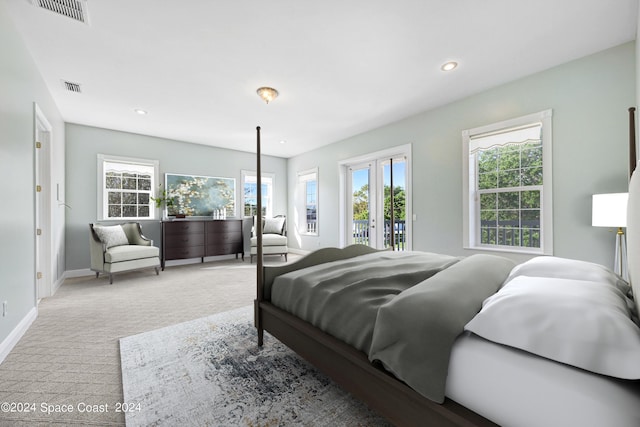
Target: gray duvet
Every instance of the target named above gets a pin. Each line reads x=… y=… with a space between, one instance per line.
x=415 y=331
x=403 y=309
x=342 y=297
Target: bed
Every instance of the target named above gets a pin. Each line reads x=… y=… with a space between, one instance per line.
x=551 y=342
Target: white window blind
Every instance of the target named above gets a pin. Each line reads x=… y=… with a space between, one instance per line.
x=505 y=137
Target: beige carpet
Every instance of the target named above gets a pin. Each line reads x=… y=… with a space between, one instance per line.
x=70 y=356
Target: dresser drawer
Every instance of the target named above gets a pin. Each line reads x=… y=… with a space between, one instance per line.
x=183 y=227
x=183 y=240
x=222 y=238
x=184 y=253
x=224 y=248
x=226 y=226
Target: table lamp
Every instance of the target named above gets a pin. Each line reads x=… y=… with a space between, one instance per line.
x=610 y=210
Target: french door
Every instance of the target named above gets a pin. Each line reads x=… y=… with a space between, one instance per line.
x=371 y=220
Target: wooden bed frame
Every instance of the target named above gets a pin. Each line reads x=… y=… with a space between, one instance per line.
x=348 y=367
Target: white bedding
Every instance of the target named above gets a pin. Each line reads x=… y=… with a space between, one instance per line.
x=488 y=378
x=581 y=323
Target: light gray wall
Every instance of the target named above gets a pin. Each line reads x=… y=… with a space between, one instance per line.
x=84 y=143
x=589 y=98
x=20 y=86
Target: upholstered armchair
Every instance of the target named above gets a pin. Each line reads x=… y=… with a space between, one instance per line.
x=274 y=237
x=116 y=248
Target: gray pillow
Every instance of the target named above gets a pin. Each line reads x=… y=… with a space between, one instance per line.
x=273 y=225
x=112 y=235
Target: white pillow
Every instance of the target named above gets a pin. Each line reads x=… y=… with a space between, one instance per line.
x=577 y=322
x=112 y=235
x=273 y=225
x=564 y=268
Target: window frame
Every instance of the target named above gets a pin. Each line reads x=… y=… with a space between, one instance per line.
x=102 y=204
x=301 y=205
x=471 y=200
x=269 y=179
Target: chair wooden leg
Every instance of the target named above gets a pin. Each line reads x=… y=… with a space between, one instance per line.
x=110 y=278
x=285 y=257
x=97 y=274
x=157 y=271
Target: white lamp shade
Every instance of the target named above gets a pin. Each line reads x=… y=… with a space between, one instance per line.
x=609 y=210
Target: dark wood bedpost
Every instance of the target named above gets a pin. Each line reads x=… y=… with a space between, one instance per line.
x=258 y=231
x=632 y=140
x=393 y=226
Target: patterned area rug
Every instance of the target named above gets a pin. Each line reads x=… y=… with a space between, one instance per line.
x=210 y=372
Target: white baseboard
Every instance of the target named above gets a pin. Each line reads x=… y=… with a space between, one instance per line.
x=7 y=345
x=299 y=251
x=58 y=283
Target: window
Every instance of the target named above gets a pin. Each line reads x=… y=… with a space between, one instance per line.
x=508 y=185
x=250 y=194
x=125 y=188
x=308 y=202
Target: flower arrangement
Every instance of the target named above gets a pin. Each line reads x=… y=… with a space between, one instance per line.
x=163 y=198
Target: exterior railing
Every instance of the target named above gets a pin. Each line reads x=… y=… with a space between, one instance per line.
x=399 y=235
x=510 y=233
x=361 y=233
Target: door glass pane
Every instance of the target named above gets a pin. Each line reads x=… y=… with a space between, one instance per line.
x=360 y=205
x=397 y=230
x=311 y=203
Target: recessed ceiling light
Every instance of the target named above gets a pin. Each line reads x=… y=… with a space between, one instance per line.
x=283 y=141
x=141 y=112
x=448 y=66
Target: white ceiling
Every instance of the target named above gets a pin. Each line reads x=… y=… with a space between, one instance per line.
x=342 y=66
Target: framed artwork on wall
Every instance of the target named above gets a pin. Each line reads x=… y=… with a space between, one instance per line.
x=195 y=195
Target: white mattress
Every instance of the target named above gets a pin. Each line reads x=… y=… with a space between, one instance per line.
x=515 y=388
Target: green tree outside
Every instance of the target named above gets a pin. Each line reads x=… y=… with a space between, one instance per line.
x=361 y=203
x=509 y=210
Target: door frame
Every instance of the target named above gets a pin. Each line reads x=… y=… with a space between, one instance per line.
x=42 y=131
x=372 y=180
x=345 y=181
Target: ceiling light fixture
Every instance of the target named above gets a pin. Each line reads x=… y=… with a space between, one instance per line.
x=268 y=94
x=141 y=112
x=448 y=66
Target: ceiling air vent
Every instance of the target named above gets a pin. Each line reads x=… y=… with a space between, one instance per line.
x=72 y=87
x=74 y=9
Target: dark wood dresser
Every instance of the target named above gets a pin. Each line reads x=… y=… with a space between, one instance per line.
x=183 y=239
